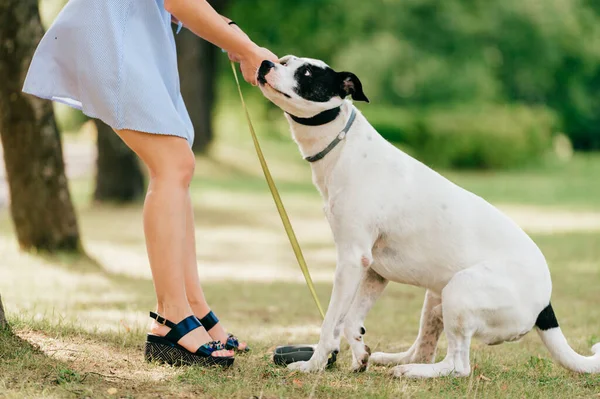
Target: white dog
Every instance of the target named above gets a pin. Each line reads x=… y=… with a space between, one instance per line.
x=395 y=219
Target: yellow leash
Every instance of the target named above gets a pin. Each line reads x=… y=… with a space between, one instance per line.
x=278 y=203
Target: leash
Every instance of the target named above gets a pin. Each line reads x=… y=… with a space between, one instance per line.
x=277 y=199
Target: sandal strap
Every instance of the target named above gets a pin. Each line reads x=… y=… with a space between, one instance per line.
x=162 y=320
x=209 y=321
x=178 y=330
x=183 y=328
x=232 y=342
x=210 y=347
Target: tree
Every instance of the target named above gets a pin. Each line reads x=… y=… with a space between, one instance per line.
x=2 y=315
x=119 y=177
x=41 y=206
x=198 y=61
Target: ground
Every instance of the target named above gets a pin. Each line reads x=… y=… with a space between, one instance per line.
x=78 y=325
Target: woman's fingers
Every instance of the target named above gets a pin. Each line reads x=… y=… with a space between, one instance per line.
x=270 y=56
x=251 y=63
x=249 y=72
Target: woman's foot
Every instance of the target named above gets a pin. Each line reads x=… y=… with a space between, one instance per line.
x=218 y=333
x=193 y=340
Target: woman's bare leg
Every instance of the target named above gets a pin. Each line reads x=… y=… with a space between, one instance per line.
x=171 y=165
x=195 y=294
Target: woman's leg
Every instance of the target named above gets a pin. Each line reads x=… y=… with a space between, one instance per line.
x=170 y=162
x=193 y=289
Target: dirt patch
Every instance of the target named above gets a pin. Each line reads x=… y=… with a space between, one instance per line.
x=96 y=369
x=87 y=356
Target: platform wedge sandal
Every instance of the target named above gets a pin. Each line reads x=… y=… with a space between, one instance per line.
x=211 y=320
x=167 y=350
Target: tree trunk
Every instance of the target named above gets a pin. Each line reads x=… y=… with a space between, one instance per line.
x=41 y=206
x=3 y=322
x=119 y=177
x=197 y=61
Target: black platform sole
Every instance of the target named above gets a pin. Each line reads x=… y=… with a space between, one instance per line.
x=284 y=355
x=160 y=350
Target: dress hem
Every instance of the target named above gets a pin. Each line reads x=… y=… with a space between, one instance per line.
x=57 y=98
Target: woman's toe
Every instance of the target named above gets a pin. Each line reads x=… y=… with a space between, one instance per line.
x=223 y=353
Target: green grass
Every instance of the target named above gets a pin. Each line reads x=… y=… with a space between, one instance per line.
x=78 y=325
x=569 y=185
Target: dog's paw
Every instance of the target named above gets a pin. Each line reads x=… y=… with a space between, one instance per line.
x=360 y=362
x=305 y=367
x=414 y=371
x=388 y=359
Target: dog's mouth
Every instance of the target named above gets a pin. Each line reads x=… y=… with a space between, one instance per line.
x=263 y=82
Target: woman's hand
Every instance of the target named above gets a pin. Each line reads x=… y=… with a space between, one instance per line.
x=250 y=63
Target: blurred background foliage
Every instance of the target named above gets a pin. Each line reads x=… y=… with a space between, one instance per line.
x=458 y=83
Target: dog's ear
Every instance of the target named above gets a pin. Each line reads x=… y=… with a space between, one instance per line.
x=350 y=86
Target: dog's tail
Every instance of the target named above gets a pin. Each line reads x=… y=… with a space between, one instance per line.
x=555 y=341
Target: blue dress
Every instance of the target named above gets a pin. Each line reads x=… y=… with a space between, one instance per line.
x=116 y=61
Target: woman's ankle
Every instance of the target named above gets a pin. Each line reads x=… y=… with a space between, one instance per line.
x=174 y=311
x=199 y=307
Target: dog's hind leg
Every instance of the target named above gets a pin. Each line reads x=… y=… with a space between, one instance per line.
x=371 y=287
x=459 y=301
x=424 y=348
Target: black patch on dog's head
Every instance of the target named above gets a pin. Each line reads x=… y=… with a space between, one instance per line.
x=321 y=84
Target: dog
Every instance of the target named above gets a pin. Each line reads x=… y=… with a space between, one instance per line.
x=395 y=219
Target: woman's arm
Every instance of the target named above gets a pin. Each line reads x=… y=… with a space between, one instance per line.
x=199 y=17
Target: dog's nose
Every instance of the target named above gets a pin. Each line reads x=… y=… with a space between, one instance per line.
x=265 y=67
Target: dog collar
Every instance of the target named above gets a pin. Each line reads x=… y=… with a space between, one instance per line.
x=341 y=136
x=319 y=119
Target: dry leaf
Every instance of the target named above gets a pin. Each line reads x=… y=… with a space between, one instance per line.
x=483 y=377
x=297 y=383
x=111 y=391
x=504 y=387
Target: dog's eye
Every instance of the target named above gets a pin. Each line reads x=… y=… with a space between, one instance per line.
x=307 y=73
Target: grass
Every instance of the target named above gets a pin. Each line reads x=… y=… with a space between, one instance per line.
x=78 y=325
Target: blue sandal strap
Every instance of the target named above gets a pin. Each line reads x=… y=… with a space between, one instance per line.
x=162 y=320
x=210 y=347
x=209 y=321
x=182 y=328
x=232 y=342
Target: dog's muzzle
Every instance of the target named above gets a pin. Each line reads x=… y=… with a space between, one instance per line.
x=264 y=69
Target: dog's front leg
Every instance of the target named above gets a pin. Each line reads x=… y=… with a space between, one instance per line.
x=348 y=274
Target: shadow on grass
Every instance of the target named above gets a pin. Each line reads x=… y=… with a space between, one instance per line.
x=26 y=370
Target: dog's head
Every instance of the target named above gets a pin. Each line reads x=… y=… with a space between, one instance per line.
x=305 y=87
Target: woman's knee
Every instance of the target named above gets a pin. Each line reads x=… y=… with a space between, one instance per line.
x=178 y=169
x=169 y=159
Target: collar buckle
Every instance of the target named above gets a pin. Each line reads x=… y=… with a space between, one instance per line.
x=341 y=136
